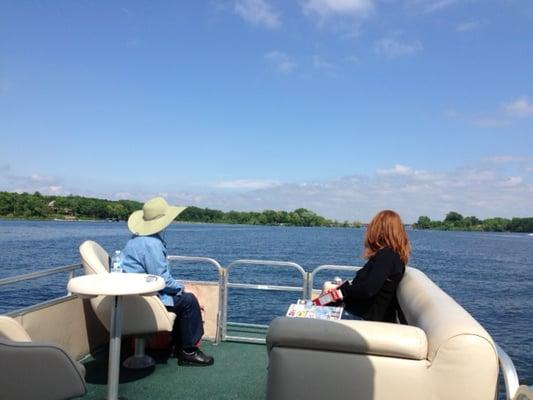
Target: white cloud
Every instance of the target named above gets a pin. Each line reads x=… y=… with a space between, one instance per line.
x=280 y=61
x=134 y=43
x=492 y=188
x=392 y=48
x=488 y=122
x=520 y=107
x=327 y=8
x=42 y=179
x=257 y=12
x=11 y=181
x=320 y=63
x=55 y=189
x=246 y=184
x=352 y=59
x=435 y=5
x=506 y=159
x=512 y=181
x=479 y=120
x=468 y=26
x=430 y=5
x=484 y=191
x=397 y=170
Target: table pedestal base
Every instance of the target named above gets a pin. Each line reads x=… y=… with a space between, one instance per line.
x=113 y=373
x=139 y=360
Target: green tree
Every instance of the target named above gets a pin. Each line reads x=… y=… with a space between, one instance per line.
x=423 y=222
x=453 y=217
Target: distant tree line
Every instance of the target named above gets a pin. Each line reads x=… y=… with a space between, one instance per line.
x=299 y=217
x=455 y=221
x=38 y=206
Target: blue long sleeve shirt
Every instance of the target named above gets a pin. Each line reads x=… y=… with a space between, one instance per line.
x=148 y=255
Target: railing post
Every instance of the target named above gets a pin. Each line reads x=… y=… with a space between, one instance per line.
x=222 y=301
x=70 y=276
x=308 y=286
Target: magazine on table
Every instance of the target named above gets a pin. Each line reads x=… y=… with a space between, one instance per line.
x=306 y=309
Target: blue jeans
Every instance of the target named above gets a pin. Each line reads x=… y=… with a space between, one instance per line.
x=188 y=328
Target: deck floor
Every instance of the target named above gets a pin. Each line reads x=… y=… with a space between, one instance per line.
x=239 y=372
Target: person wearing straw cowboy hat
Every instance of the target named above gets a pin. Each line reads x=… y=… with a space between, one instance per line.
x=146 y=252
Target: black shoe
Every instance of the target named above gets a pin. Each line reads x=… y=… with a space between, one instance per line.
x=197 y=358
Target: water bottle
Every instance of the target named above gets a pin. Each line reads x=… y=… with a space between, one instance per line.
x=116 y=262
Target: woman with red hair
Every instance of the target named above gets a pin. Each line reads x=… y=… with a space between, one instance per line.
x=372 y=293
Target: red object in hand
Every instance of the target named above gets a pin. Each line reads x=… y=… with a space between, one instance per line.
x=329 y=297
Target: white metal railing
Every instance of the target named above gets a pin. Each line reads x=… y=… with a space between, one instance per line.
x=40 y=274
x=508 y=371
x=513 y=390
x=228 y=284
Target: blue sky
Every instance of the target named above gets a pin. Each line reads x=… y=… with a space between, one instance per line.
x=341 y=106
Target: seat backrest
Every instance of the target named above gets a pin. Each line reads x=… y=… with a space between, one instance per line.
x=428 y=307
x=459 y=349
x=38 y=370
x=94 y=258
x=140 y=314
x=23 y=375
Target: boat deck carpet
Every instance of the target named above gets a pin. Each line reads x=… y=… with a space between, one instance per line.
x=239 y=372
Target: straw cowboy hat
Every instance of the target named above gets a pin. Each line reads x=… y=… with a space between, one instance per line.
x=155 y=216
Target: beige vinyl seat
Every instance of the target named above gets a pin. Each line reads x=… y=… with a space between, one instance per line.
x=444 y=353
x=36 y=370
x=141 y=315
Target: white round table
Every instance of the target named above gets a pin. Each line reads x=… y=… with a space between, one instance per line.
x=116 y=285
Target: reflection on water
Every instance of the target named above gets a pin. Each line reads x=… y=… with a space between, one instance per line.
x=489 y=274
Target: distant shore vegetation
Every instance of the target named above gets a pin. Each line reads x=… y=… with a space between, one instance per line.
x=38 y=206
x=456 y=222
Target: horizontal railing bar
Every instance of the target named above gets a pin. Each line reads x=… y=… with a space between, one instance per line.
x=39 y=274
x=244 y=339
x=247 y=325
x=39 y=306
x=192 y=259
x=271 y=263
x=265 y=287
x=239 y=330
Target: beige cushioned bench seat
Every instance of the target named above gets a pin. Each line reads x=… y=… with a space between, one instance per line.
x=444 y=353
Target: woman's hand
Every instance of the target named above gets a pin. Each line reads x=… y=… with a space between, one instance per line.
x=336 y=294
x=328 y=285
x=331 y=296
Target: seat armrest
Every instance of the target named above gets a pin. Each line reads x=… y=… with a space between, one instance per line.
x=12 y=330
x=361 y=337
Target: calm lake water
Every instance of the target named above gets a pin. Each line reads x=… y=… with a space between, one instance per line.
x=489 y=274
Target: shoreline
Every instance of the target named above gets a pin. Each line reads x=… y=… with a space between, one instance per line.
x=3 y=218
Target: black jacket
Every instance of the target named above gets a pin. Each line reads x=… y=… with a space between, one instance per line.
x=372 y=293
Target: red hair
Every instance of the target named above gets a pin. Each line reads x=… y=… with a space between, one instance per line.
x=386 y=230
